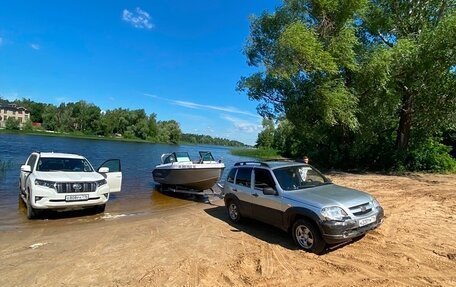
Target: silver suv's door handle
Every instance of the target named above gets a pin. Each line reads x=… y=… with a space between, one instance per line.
x=255 y=194
x=234 y=189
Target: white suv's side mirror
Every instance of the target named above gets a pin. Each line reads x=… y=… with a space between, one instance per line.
x=26 y=168
x=103 y=169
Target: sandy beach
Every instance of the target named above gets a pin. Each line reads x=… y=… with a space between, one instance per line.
x=194 y=244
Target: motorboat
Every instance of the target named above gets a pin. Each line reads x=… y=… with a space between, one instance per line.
x=177 y=170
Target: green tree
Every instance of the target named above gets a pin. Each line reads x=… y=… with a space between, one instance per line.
x=152 y=125
x=12 y=124
x=86 y=116
x=49 y=116
x=360 y=82
x=410 y=67
x=28 y=126
x=266 y=136
x=169 y=132
x=306 y=51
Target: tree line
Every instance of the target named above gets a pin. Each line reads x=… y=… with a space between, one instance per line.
x=88 y=119
x=205 y=139
x=357 y=84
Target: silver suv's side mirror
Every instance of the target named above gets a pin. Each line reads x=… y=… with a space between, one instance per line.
x=269 y=191
x=26 y=168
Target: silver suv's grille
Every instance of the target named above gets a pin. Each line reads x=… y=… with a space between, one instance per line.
x=361 y=209
x=68 y=187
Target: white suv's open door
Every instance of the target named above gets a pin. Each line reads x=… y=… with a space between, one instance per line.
x=114 y=175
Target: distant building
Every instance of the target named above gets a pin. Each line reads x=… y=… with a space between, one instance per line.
x=13 y=111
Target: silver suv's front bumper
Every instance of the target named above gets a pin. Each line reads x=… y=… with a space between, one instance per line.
x=336 y=232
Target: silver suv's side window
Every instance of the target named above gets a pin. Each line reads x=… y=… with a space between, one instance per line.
x=263 y=179
x=244 y=176
x=231 y=175
x=31 y=161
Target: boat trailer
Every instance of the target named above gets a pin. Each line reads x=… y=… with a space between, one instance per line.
x=216 y=190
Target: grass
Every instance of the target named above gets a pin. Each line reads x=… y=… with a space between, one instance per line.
x=259 y=153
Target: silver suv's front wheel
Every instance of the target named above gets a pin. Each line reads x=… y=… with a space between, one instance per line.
x=307 y=237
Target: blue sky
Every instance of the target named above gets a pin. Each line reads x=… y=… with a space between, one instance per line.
x=178 y=59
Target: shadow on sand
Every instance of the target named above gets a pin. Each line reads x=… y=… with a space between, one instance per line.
x=264 y=232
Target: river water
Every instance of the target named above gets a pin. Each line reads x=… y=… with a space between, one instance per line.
x=138 y=195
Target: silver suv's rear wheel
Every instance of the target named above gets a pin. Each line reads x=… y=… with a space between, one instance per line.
x=307 y=237
x=233 y=211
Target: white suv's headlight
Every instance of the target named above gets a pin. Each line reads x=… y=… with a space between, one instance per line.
x=333 y=213
x=101 y=182
x=45 y=183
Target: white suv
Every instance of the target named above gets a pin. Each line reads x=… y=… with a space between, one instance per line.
x=66 y=181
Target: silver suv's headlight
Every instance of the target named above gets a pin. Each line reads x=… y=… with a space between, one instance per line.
x=45 y=183
x=375 y=203
x=101 y=182
x=333 y=213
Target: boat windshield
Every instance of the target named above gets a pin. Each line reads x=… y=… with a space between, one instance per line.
x=206 y=156
x=182 y=156
x=299 y=177
x=64 y=164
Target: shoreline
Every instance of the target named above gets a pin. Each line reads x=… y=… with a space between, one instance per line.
x=94 y=137
x=196 y=245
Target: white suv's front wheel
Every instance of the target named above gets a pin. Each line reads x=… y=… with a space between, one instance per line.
x=31 y=212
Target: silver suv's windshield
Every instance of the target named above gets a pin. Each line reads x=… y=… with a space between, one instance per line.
x=64 y=164
x=298 y=177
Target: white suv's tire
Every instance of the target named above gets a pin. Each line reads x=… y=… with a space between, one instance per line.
x=99 y=208
x=32 y=213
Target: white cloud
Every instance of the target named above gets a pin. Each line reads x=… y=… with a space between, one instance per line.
x=35 y=46
x=138 y=18
x=192 y=105
x=242 y=125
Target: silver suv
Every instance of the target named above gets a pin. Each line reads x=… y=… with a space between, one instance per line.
x=299 y=199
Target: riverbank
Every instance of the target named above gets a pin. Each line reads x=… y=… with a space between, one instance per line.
x=259 y=153
x=95 y=137
x=196 y=245
x=72 y=135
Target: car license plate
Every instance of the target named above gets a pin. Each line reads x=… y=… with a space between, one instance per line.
x=366 y=221
x=76 y=197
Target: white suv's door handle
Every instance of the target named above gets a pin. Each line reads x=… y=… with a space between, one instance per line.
x=255 y=194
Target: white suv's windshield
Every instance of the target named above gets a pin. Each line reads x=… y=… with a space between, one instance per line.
x=297 y=177
x=64 y=164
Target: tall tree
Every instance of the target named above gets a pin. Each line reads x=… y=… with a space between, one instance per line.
x=416 y=41
x=358 y=81
x=266 y=136
x=306 y=53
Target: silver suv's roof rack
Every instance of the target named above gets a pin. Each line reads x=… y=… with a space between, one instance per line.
x=251 y=163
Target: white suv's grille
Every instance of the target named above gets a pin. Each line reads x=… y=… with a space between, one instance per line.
x=68 y=187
